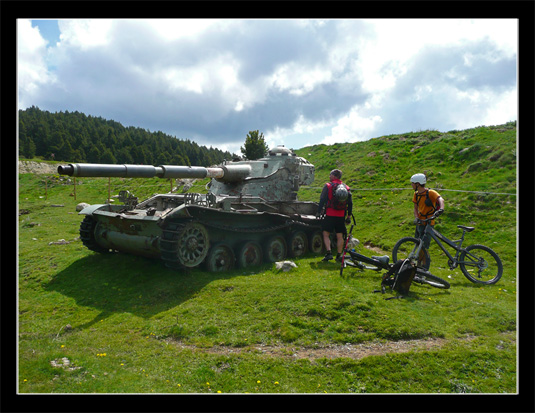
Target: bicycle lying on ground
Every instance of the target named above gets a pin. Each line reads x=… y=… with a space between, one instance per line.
x=378 y=263
x=478 y=263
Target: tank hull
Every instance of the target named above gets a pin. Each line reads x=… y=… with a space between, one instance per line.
x=218 y=239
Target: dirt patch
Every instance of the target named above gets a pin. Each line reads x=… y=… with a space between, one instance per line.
x=348 y=350
x=353 y=351
x=373 y=247
x=32 y=167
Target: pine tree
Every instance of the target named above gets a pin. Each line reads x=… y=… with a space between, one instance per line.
x=255 y=146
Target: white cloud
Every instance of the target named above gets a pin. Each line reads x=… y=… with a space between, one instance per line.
x=84 y=33
x=298 y=81
x=353 y=127
x=301 y=127
x=486 y=108
x=173 y=29
x=32 y=70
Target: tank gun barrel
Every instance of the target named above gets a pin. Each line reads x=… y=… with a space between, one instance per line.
x=225 y=173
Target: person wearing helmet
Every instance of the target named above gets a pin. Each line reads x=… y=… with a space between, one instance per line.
x=427 y=203
x=337 y=201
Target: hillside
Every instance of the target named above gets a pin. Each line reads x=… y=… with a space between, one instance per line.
x=115 y=323
x=478 y=159
x=474 y=170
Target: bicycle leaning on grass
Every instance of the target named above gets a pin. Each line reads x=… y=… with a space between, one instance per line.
x=478 y=263
x=378 y=263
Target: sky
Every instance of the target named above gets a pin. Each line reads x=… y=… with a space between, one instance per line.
x=300 y=82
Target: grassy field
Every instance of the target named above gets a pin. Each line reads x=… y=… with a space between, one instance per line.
x=115 y=323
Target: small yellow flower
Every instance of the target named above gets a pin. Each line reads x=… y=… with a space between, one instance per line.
x=219 y=391
x=179 y=385
x=258 y=382
x=62 y=345
x=276 y=382
x=207 y=383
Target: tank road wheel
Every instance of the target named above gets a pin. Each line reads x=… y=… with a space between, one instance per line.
x=183 y=244
x=192 y=244
x=87 y=235
x=249 y=255
x=297 y=244
x=275 y=249
x=220 y=258
x=315 y=242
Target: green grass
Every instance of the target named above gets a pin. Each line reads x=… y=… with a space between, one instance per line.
x=139 y=327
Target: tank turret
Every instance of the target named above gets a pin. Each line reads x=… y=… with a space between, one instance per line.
x=249 y=215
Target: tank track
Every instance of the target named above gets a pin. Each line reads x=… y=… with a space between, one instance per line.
x=87 y=235
x=169 y=243
x=172 y=231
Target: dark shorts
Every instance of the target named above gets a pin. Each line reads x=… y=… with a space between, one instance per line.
x=334 y=223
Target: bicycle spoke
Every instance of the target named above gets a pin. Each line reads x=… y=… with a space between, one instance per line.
x=481 y=264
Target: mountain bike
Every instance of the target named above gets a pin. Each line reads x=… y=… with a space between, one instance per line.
x=478 y=263
x=378 y=263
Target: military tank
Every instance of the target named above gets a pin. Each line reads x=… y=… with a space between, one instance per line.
x=249 y=215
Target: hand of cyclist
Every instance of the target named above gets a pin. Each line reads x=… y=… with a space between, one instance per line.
x=437 y=213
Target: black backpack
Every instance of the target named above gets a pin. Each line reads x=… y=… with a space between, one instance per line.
x=399 y=277
x=427 y=202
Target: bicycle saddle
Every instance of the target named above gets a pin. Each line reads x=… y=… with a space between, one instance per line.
x=384 y=259
x=467 y=229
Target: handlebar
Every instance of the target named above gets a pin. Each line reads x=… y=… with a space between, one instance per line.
x=432 y=217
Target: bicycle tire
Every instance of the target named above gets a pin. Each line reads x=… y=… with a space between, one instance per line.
x=495 y=267
x=405 y=246
x=424 y=277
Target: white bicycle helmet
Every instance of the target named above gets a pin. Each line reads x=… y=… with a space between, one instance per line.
x=341 y=193
x=418 y=178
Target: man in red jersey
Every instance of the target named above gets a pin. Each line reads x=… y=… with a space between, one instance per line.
x=336 y=198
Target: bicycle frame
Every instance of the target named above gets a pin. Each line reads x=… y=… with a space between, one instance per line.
x=437 y=236
x=377 y=265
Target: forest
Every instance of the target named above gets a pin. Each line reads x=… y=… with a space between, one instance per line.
x=76 y=137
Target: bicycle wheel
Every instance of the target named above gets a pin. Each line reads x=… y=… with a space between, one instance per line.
x=480 y=264
x=424 y=277
x=405 y=246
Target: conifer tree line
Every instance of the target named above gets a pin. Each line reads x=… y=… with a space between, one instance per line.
x=75 y=137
